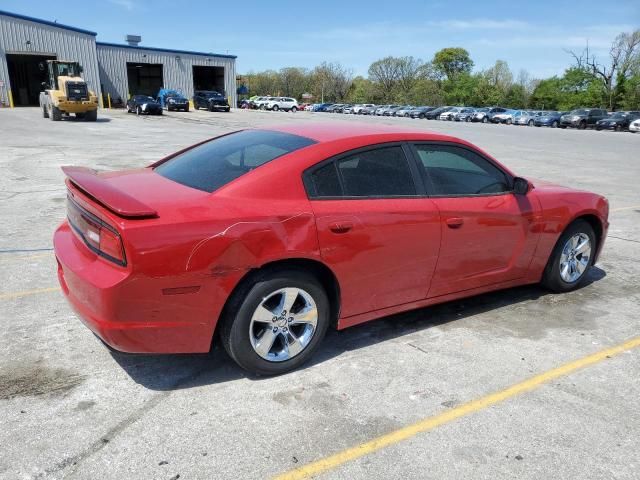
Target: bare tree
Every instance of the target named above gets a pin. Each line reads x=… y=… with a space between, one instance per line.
x=385 y=72
x=409 y=71
x=623 y=55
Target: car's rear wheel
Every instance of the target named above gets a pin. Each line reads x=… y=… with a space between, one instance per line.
x=583 y=125
x=275 y=108
x=274 y=323
x=294 y=109
x=139 y=110
x=485 y=119
x=571 y=258
x=530 y=123
x=618 y=128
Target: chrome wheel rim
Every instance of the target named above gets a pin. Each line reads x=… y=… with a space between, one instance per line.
x=283 y=325
x=575 y=257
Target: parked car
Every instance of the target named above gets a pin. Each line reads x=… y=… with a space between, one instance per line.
x=525 y=117
x=502 y=117
x=370 y=110
x=176 y=101
x=464 y=115
x=404 y=111
x=548 y=119
x=348 y=109
x=380 y=111
x=357 y=109
x=421 y=112
x=392 y=112
x=171 y=258
x=480 y=115
x=582 y=118
x=144 y=104
x=435 y=113
x=617 y=121
x=634 y=126
x=211 y=100
x=282 y=103
x=448 y=114
x=322 y=107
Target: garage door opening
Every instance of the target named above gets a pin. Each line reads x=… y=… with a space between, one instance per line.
x=144 y=78
x=208 y=78
x=26 y=74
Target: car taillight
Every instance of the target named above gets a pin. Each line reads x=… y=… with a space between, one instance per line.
x=99 y=236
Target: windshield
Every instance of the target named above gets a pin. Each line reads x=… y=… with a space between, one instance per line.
x=618 y=115
x=578 y=112
x=213 y=164
x=212 y=94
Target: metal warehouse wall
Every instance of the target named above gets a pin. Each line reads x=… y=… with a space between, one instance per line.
x=177 y=68
x=65 y=44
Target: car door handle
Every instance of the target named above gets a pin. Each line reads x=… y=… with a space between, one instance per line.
x=341 y=227
x=454 y=222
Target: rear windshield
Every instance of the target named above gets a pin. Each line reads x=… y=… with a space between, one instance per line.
x=221 y=160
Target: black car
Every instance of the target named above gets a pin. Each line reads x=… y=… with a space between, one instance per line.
x=582 y=118
x=143 y=104
x=211 y=100
x=175 y=101
x=420 y=112
x=435 y=113
x=617 y=121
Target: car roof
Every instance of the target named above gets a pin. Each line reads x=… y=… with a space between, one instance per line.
x=328 y=132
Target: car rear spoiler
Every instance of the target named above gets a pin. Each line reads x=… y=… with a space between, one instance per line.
x=107 y=195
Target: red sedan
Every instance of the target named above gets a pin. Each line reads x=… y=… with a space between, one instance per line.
x=268 y=237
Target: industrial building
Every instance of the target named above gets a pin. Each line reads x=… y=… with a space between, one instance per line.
x=111 y=69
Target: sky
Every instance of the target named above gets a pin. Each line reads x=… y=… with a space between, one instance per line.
x=533 y=36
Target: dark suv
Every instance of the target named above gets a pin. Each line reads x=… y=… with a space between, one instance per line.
x=617 y=121
x=210 y=100
x=582 y=118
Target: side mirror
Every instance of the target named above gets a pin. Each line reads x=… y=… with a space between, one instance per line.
x=521 y=186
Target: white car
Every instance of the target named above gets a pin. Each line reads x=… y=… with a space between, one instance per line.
x=450 y=114
x=261 y=102
x=357 y=109
x=282 y=103
x=635 y=126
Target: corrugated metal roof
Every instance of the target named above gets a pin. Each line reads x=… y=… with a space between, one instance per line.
x=47 y=22
x=154 y=49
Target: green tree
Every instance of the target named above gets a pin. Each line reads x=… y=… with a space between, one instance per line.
x=515 y=97
x=547 y=94
x=451 y=62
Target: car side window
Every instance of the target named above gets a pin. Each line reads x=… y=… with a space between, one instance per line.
x=455 y=171
x=382 y=172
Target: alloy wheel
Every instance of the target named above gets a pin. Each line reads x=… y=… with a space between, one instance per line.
x=283 y=325
x=575 y=257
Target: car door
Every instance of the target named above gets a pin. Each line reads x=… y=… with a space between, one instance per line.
x=486 y=229
x=376 y=231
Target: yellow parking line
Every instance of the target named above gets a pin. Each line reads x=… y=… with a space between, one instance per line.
x=321 y=466
x=624 y=208
x=9 y=295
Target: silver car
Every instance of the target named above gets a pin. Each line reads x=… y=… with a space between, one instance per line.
x=464 y=115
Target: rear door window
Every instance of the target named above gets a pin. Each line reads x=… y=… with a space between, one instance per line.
x=215 y=163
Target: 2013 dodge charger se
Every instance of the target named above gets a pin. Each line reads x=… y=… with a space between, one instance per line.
x=268 y=237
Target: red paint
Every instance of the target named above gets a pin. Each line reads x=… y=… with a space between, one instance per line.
x=387 y=255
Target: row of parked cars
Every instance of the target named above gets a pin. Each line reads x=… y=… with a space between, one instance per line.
x=173 y=100
x=580 y=118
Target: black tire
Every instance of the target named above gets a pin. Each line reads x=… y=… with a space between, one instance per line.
x=138 y=110
x=485 y=120
x=228 y=109
x=551 y=277
x=275 y=108
x=210 y=108
x=563 y=126
x=294 y=109
x=618 y=128
x=583 y=125
x=530 y=123
x=91 y=116
x=45 y=113
x=186 y=108
x=598 y=128
x=55 y=114
x=236 y=320
x=80 y=116
x=555 y=124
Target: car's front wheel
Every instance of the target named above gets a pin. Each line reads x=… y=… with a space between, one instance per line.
x=294 y=109
x=274 y=323
x=571 y=258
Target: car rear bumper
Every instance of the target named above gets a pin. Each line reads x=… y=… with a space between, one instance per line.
x=130 y=314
